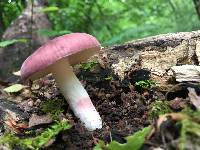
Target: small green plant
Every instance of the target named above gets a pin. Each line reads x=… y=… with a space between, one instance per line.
x=37 y=142
x=159 y=108
x=53 y=107
x=134 y=141
x=145 y=84
x=87 y=66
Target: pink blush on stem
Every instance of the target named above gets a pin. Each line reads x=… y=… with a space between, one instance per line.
x=84 y=103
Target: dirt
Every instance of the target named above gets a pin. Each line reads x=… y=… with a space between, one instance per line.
x=123 y=110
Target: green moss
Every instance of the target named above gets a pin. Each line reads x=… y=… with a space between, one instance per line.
x=190 y=130
x=87 y=66
x=194 y=114
x=190 y=133
x=37 y=142
x=9 y=140
x=159 y=107
x=53 y=107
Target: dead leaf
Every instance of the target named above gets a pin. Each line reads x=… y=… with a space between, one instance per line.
x=174 y=116
x=165 y=117
x=15 y=127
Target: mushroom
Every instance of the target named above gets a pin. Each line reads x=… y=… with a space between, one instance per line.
x=56 y=57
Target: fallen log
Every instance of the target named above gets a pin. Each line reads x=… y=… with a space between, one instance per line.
x=156 y=54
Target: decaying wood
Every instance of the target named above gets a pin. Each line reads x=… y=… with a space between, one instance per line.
x=194 y=98
x=186 y=73
x=11 y=109
x=26 y=27
x=157 y=53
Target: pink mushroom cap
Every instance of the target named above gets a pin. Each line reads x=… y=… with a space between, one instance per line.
x=74 y=47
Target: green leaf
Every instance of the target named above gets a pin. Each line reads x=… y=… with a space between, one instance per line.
x=100 y=146
x=97 y=147
x=134 y=141
x=10 y=42
x=14 y=88
x=50 y=9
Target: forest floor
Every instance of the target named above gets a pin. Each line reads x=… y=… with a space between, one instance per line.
x=125 y=106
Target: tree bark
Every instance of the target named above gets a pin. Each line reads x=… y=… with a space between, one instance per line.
x=25 y=26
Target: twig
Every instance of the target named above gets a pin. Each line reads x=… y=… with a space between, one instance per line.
x=31 y=30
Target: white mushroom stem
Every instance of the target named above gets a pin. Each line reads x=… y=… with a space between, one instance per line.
x=76 y=95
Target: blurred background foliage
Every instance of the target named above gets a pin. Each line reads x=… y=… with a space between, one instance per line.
x=111 y=21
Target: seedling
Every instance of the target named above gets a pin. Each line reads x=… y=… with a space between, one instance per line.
x=145 y=84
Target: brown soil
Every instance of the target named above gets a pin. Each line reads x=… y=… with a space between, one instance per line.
x=123 y=109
